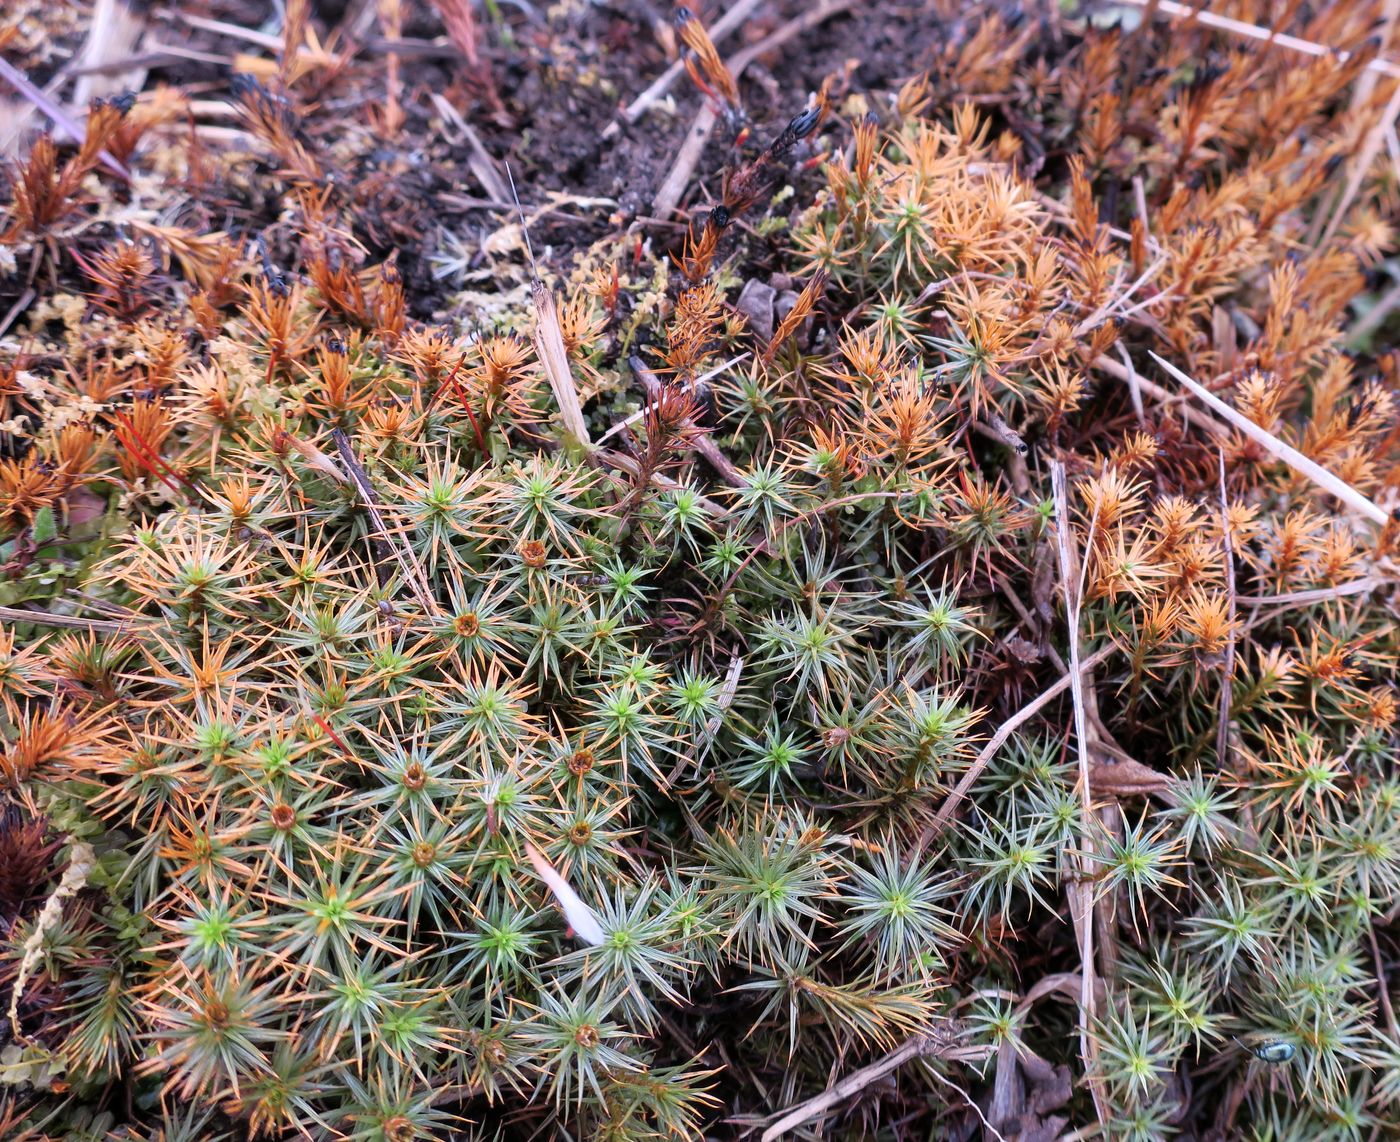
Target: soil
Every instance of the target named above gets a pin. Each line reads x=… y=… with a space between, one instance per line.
x=541 y=104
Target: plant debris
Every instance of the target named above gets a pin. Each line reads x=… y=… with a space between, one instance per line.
x=626 y=572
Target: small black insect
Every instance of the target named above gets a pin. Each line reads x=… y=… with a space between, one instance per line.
x=1361 y=409
x=803 y=125
x=275 y=279
x=123 y=102
x=1275 y=1052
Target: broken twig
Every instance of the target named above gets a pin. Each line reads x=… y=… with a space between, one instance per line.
x=669 y=194
x=1000 y=738
x=413 y=575
x=1287 y=453
x=857 y=1081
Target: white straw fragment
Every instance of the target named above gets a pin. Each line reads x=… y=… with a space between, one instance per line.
x=580 y=917
x=549 y=340
x=549 y=344
x=1288 y=454
x=318 y=459
x=1270 y=36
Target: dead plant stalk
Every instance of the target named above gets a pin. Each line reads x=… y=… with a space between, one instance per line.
x=669 y=195
x=1315 y=472
x=1080 y=893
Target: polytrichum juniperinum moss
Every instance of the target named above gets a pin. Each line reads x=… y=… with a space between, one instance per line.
x=451 y=771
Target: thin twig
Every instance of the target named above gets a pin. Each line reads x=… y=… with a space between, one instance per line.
x=669 y=194
x=1105 y=311
x=1281 y=604
x=1227 y=681
x=162 y=52
x=142 y=61
x=1361 y=92
x=1138 y=384
x=992 y=1130
x=701 y=443
x=1313 y=594
x=1361 y=163
x=998 y=739
x=413 y=575
x=21 y=304
x=272 y=43
x=651 y=383
x=723 y=701
x=1134 y=382
x=1080 y=893
x=45 y=619
x=481 y=164
x=1061 y=211
x=1387 y=1009
x=1375 y=317
x=662 y=83
x=726 y=696
x=1002 y=431
x=409 y=47
x=857 y=1081
x=71 y=127
x=1287 y=453
x=1140 y=201
x=1255 y=32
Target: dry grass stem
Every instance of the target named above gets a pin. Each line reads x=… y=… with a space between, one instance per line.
x=1270 y=36
x=1080 y=892
x=668 y=197
x=1284 y=452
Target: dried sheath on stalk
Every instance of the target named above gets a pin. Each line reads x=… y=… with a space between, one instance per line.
x=580 y=917
x=549 y=344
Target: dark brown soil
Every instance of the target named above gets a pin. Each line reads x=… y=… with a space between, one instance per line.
x=542 y=106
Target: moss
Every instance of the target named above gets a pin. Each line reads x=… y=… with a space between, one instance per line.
x=440 y=768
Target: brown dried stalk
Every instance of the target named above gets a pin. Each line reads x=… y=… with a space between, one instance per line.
x=1315 y=472
x=941 y=1046
x=1080 y=893
x=668 y=196
x=549 y=344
